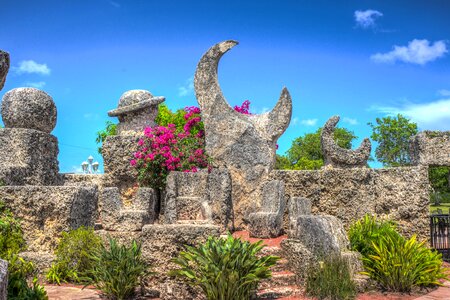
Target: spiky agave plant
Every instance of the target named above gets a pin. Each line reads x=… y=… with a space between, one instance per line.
x=225 y=269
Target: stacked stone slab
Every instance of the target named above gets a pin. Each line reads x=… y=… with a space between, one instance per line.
x=29 y=152
x=201 y=197
x=430 y=148
x=313 y=237
x=29 y=171
x=118 y=216
x=137 y=110
x=268 y=222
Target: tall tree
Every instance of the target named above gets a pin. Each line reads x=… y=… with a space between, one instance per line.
x=306 y=151
x=392 y=135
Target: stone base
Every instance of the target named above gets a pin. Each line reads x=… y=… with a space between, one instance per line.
x=46 y=211
x=265 y=225
x=117 y=152
x=29 y=157
x=321 y=235
x=42 y=261
x=3 y=279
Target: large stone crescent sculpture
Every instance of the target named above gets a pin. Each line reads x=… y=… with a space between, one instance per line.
x=339 y=157
x=4 y=67
x=245 y=144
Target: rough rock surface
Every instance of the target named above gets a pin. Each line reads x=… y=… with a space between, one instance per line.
x=401 y=194
x=82 y=179
x=430 y=148
x=321 y=235
x=338 y=157
x=119 y=216
x=245 y=144
x=42 y=261
x=3 y=279
x=268 y=222
x=297 y=206
x=200 y=196
x=117 y=152
x=4 y=67
x=137 y=109
x=28 y=108
x=46 y=211
x=29 y=157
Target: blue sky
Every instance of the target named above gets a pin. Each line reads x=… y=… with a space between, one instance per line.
x=358 y=59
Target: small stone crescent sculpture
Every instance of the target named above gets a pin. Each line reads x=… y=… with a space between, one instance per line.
x=4 y=67
x=339 y=157
x=215 y=108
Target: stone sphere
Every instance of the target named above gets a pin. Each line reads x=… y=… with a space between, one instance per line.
x=28 y=108
x=133 y=97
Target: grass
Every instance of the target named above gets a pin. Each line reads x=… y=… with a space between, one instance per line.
x=445 y=207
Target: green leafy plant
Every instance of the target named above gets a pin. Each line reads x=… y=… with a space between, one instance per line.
x=396 y=263
x=331 y=279
x=119 y=269
x=367 y=230
x=225 y=269
x=399 y=264
x=11 y=235
x=19 y=271
x=74 y=256
x=110 y=130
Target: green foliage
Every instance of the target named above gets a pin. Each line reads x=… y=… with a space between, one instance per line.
x=167 y=116
x=110 y=129
x=119 y=269
x=11 y=235
x=74 y=256
x=18 y=272
x=306 y=151
x=331 y=280
x=396 y=263
x=439 y=179
x=392 y=135
x=367 y=230
x=225 y=269
x=399 y=264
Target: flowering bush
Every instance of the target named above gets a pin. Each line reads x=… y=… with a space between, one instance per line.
x=176 y=144
x=163 y=149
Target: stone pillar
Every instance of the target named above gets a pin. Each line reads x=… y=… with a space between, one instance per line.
x=3 y=279
x=137 y=110
x=29 y=152
x=4 y=67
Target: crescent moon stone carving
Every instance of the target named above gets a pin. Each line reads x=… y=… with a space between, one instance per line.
x=245 y=144
x=4 y=67
x=339 y=157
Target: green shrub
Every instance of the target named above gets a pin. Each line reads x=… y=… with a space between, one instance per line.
x=119 y=269
x=74 y=256
x=19 y=271
x=331 y=280
x=398 y=264
x=11 y=235
x=225 y=269
x=110 y=130
x=367 y=230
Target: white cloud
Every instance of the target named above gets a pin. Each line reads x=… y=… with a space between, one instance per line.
x=434 y=115
x=90 y=116
x=309 y=122
x=186 y=89
x=295 y=121
x=366 y=18
x=417 y=52
x=30 y=66
x=444 y=92
x=350 y=121
x=77 y=169
x=115 y=4
x=38 y=85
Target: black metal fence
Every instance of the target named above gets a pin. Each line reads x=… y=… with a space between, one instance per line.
x=440 y=237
